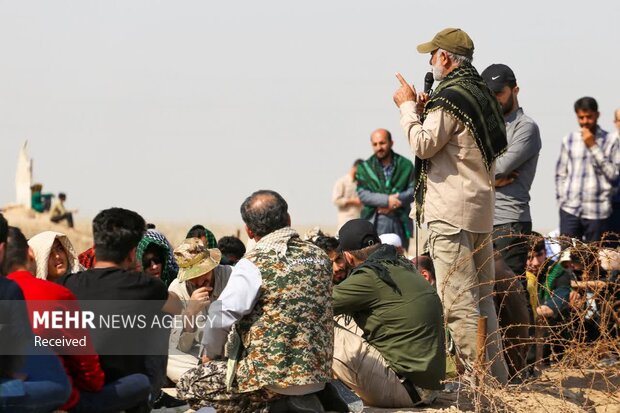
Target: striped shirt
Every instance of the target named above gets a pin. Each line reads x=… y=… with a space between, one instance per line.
x=584 y=176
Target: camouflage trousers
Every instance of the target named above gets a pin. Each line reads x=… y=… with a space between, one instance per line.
x=206 y=386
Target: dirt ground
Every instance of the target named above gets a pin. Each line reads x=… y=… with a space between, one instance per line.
x=566 y=391
x=572 y=390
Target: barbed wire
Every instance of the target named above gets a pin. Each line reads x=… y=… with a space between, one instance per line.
x=568 y=361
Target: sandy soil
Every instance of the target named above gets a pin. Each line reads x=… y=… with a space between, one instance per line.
x=566 y=391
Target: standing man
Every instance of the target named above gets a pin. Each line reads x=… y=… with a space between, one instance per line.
x=614 y=219
x=385 y=187
x=585 y=174
x=514 y=170
x=456 y=137
x=279 y=300
x=345 y=196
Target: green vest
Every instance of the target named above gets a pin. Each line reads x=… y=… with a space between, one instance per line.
x=288 y=337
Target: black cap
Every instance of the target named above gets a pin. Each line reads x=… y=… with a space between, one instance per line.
x=497 y=76
x=357 y=234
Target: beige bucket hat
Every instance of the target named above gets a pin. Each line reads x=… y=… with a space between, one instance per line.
x=195 y=259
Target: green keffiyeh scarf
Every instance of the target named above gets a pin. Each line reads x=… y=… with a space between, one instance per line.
x=465 y=95
x=154 y=237
x=370 y=177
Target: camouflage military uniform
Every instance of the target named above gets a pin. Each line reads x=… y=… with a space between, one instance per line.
x=206 y=386
x=287 y=339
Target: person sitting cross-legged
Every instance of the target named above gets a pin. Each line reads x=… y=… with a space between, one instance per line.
x=278 y=299
x=200 y=282
x=123 y=292
x=89 y=392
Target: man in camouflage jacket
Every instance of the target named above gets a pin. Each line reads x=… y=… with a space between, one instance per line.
x=279 y=300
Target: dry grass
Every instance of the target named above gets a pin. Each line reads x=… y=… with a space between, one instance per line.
x=32 y=223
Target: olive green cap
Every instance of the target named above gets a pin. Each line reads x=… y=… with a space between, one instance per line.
x=451 y=40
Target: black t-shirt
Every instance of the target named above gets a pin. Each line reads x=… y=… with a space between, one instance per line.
x=15 y=332
x=125 y=304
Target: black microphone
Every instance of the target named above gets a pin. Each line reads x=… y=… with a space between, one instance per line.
x=428 y=83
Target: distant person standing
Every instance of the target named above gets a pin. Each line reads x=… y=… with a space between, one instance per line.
x=514 y=170
x=385 y=187
x=59 y=213
x=585 y=174
x=345 y=196
x=614 y=219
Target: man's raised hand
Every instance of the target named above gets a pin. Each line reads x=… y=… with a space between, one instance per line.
x=588 y=137
x=198 y=301
x=406 y=92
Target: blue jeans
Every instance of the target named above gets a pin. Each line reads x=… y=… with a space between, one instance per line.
x=613 y=225
x=588 y=230
x=122 y=394
x=45 y=388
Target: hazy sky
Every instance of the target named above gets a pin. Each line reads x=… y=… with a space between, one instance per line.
x=180 y=109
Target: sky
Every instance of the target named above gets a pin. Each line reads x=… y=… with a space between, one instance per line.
x=181 y=109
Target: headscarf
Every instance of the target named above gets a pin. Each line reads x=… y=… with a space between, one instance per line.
x=211 y=241
x=169 y=266
x=41 y=245
x=198 y=229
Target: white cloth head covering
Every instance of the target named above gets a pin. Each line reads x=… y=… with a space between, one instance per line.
x=41 y=245
x=391 y=239
x=609 y=259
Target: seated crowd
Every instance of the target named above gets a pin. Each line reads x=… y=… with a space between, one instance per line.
x=291 y=324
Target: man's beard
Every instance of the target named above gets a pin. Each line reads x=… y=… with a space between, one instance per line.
x=509 y=105
x=437 y=73
x=382 y=155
